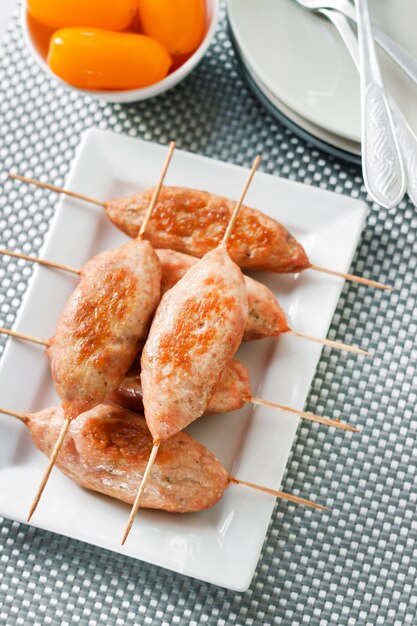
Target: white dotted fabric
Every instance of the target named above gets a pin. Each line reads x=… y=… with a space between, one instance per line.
x=355 y=563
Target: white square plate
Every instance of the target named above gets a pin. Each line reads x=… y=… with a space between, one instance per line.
x=222 y=545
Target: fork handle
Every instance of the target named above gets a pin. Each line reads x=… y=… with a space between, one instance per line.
x=408 y=146
x=382 y=166
x=381 y=160
x=407 y=140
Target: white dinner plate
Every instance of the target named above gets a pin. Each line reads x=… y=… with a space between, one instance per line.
x=301 y=59
x=344 y=148
x=222 y=545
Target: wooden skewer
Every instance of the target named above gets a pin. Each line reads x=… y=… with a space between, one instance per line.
x=239 y=203
x=142 y=486
x=101 y=203
x=317 y=268
x=72 y=194
x=337 y=345
x=329 y=342
x=51 y=463
x=307 y=416
x=352 y=278
x=23 y=417
x=31 y=338
x=253 y=399
x=157 y=189
x=70 y=268
x=278 y=494
x=67 y=422
x=35 y=259
x=20 y=416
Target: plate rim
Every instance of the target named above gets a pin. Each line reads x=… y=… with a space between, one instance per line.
x=291 y=102
x=281 y=116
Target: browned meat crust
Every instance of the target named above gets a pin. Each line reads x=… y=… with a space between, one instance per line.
x=106 y=450
x=197 y=328
x=194 y=222
x=229 y=394
x=265 y=316
x=105 y=319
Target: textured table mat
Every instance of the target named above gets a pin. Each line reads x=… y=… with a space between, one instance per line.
x=356 y=563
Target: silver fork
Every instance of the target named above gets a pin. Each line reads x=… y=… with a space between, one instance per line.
x=406 y=137
x=407 y=63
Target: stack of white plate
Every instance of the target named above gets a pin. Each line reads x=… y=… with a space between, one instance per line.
x=298 y=66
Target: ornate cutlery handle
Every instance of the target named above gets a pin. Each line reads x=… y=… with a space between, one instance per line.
x=405 y=136
x=408 y=147
x=381 y=160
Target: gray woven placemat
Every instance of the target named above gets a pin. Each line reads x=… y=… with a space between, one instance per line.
x=356 y=563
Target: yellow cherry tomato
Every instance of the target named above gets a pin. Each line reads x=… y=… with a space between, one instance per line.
x=111 y=14
x=177 y=24
x=100 y=59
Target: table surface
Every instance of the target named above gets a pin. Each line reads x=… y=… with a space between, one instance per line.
x=354 y=564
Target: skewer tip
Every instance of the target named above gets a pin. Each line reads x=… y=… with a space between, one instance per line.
x=23 y=417
x=31 y=338
x=352 y=277
x=335 y=423
x=51 y=463
x=156 y=191
x=125 y=536
x=239 y=203
x=73 y=194
x=277 y=494
x=31 y=512
x=142 y=486
x=330 y=343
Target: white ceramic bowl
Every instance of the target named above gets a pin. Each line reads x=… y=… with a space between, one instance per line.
x=131 y=95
